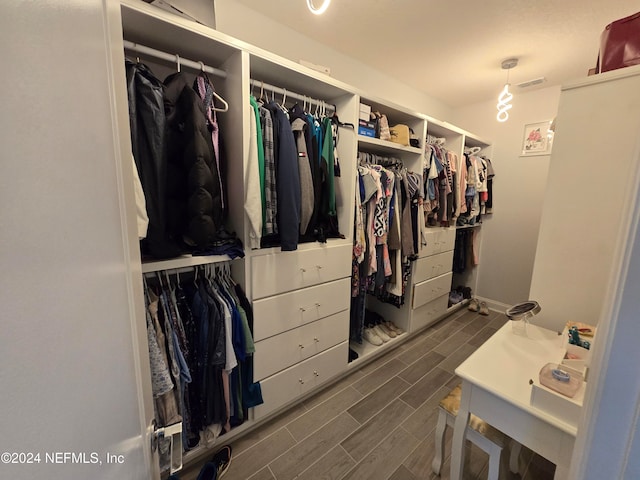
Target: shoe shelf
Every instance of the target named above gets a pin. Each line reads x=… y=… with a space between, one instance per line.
x=367 y=351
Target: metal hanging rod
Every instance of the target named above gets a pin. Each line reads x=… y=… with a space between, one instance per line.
x=287 y=94
x=175 y=58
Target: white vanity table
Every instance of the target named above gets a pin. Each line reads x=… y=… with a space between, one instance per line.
x=496 y=388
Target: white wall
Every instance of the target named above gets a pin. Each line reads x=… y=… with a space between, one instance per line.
x=510 y=235
x=246 y=24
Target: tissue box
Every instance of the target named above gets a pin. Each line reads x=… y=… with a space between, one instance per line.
x=365 y=112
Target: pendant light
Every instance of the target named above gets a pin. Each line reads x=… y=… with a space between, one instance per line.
x=505 y=96
x=318 y=10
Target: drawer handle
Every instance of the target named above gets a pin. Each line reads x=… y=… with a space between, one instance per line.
x=302 y=310
x=301 y=346
x=315 y=339
x=317 y=305
x=302 y=270
x=319 y=267
x=316 y=373
x=301 y=381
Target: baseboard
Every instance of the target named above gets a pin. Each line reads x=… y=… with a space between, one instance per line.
x=494 y=305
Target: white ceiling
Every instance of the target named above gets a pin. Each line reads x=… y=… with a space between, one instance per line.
x=452 y=50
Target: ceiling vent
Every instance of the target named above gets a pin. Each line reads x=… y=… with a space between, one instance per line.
x=531 y=83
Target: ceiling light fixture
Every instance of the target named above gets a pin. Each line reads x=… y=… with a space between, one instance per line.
x=505 y=96
x=318 y=10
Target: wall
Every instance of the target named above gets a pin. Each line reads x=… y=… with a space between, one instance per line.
x=246 y=24
x=510 y=235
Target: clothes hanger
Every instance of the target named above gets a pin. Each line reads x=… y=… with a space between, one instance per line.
x=284 y=101
x=225 y=105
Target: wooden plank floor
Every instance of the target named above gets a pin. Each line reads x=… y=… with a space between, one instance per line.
x=379 y=422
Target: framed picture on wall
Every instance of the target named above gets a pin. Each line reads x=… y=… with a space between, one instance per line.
x=537 y=139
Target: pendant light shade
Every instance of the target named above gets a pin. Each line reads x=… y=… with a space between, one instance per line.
x=504 y=104
x=318 y=10
x=505 y=97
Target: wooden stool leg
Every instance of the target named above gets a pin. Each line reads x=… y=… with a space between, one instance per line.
x=514 y=456
x=440 y=429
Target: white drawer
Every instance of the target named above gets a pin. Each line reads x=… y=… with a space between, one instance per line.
x=274 y=315
x=429 y=313
x=430 y=267
x=439 y=240
x=286 y=386
x=281 y=351
x=280 y=272
x=429 y=290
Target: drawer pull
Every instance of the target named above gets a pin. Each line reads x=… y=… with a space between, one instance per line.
x=315 y=339
x=316 y=373
x=301 y=346
x=302 y=270
x=317 y=305
x=319 y=267
x=301 y=381
x=302 y=310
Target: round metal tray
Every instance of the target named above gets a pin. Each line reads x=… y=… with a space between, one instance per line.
x=523 y=310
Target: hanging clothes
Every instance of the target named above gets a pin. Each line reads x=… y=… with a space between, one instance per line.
x=201 y=347
x=147 y=122
x=193 y=188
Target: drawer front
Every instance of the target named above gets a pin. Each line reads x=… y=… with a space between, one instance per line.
x=439 y=240
x=286 y=271
x=286 y=386
x=277 y=314
x=429 y=313
x=429 y=290
x=281 y=351
x=433 y=266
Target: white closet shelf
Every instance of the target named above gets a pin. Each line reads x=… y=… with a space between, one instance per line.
x=183 y=261
x=375 y=145
x=462 y=227
x=366 y=349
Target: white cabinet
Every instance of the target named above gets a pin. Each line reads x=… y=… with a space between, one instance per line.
x=288 y=348
x=283 y=312
x=285 y=271
x=288 y=385
x=579 y=248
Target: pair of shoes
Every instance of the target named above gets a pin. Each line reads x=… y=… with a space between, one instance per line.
x=455 y=297
x=394 y=327
x=474 y=305
x=372 y=337
x=385 y=328
x=483 y=309
x=381 y=333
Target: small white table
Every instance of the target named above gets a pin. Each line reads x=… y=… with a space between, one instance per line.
x=495 y=387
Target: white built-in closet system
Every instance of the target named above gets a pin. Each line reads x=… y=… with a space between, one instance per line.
x=72 y=294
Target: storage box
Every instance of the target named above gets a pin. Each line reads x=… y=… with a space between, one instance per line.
x=367 y=132
x=558 y=405
x=365 y=112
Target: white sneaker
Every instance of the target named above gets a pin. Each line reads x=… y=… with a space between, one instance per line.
x=394 y=327
x=385 y=338
x=388 y=330
x=372 y=337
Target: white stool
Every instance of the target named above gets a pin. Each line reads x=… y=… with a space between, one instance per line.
x=480 y=433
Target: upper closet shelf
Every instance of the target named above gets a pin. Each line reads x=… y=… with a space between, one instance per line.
x=375 y=145
x=181 y=262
